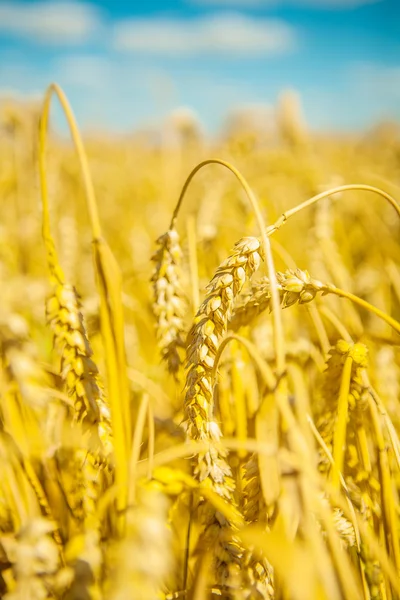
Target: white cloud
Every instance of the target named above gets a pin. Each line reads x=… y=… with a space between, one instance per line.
x=50 y=22
x=320 y=4
x=225 y=34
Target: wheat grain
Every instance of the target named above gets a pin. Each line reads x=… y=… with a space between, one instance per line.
x=209 y=326
x=169 y=303
x=78 y=369
x=294 y=286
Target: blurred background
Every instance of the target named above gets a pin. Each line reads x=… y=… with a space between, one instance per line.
x=128 y=66
x=299 y=95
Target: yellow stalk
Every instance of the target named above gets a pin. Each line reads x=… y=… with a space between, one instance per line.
x=339 y=437
x=109 y=285
x=275 y=299
x=342 y=188
x=336 y=322
x=389 y=513
x=343 y=483
x=239 y=395
x=112 y=324
x=193 y=447
x=75 y=134
x=346 y=575
x=302 y=408
x=201 y=578
x=194 y=270
x=267 y=430
x=364 y=304
x=262 y=365
x=151 y=444
x=136 y=444
x=319 y=328
x=377 y=549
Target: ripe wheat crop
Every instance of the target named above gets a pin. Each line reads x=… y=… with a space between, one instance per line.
x=200 y=365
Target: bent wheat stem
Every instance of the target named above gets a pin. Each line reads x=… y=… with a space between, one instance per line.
x=364 y=304
x=109 y=286
x=263 y=366
x=87 y=180
x=277 y=321
x=342 y=188
x=297 y=287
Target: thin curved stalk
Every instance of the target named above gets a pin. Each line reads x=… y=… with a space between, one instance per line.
x=336 y=322
x=342 y=188
x=263 y=367
x=275 y=301
x=364 y=304
x=109 y=283
x=87 y=180
x=319 y=328
x=283 y=254
x=194 y=268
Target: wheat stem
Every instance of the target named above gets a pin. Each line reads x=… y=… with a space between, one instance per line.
x=194 y=267
x=109 y=285
x=389 y=513
x=339 y=438
x=364 y=304
x=136 y=444
x=342 y=188
x=80 y=150
x=277 y=320
x=263 y=366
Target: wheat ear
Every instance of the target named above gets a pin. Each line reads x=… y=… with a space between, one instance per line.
x=210 y=325
x=295 y=286
x=168 y=299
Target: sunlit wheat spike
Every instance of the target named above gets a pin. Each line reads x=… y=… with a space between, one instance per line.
x=294 y=287
x=168 y=299
x=210 y=325
x=78 y=369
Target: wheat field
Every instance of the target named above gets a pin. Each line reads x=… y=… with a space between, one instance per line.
x=200 y=363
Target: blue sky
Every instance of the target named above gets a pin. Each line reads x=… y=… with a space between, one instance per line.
x=128 y=64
